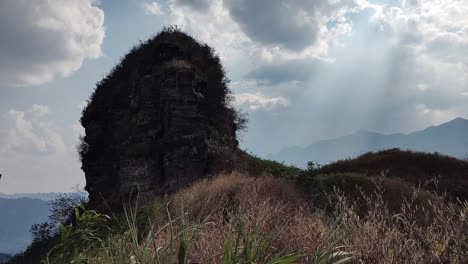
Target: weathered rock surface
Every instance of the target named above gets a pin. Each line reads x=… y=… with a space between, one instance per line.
x=159 y=121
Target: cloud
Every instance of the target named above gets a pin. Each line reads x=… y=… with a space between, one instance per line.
x=281 y=72
x=438 y=116
x=258 y=101
x=78 y=130
x=274 y=30
x=294 y=25
x=82 y=105
x=210 y=22
x=199 y=5
x=152 y=8
x=39 y=110
x=433 y=36
x=35 y=153
x=30 y=133
x=44 y=39
x=432 y=28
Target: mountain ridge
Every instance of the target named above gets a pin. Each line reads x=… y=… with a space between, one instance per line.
x=41 y=196
x=447 y=138
x=18 y=215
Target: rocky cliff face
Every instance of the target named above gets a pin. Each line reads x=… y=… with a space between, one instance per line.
x=159 y=121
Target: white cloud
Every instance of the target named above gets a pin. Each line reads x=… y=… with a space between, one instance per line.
x=258 y=101
x=439 y=116
x=34 y=155
x=43 y=39
x=433 y=28
x=152 y=8
x=268 y=31
x=78 y=130
x=297 y=30
x=31 y=132
x=39 y=110
x=422 y=87
x=210 y=22
x=433 y=35
x=82 y=105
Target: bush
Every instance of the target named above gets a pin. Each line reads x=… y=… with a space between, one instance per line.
x=432 y=171
x=79 y=238
x=255 y=166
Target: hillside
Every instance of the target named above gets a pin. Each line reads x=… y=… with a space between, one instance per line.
x=4 y=258
x=17 y=216
x=430 y=171
x=40 y=196
x=235 y=218
x=448 y=138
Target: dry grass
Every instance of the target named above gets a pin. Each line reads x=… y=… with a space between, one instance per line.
x=202 y=219
x=421 y=232
x=384 y=237
x=413 y=167
x=258 y=206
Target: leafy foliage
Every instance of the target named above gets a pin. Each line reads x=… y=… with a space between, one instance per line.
x=78 y=238
x=42 y=232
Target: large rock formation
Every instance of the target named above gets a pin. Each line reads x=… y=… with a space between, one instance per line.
x=159 y=121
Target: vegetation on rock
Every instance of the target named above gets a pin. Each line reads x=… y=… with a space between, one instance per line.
x=161 y=119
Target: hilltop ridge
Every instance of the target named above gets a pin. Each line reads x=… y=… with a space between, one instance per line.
x=448 y=138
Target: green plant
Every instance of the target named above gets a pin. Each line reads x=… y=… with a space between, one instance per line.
x=329 y=251
x=76 y=240
x=256 y=250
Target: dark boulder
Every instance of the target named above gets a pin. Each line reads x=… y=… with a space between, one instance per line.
x=160 y=120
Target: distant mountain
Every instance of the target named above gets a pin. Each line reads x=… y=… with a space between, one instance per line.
x=4 y=258
x=41 y=196
x=450 y=138
x=16 y=218
x=19 y=211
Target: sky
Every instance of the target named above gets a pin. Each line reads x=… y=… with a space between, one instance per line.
x=302 y=70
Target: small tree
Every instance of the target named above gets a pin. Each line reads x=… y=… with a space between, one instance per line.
x=63 y=207
x=42 y=232
x=61 y=212
x=312 y=166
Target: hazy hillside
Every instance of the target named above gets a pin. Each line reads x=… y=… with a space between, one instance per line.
x=4 y=258
x=449 y=138
x=17 y=216
x=41 y=196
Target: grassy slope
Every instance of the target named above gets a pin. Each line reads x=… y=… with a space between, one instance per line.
x=371 y=218
x=431 y=171
x=229 y=215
